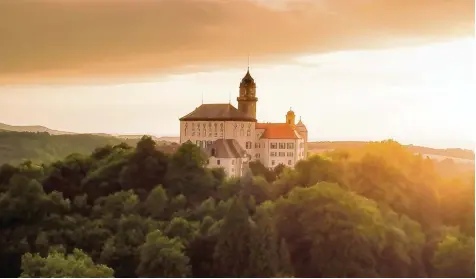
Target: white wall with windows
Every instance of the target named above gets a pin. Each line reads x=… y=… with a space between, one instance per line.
x=231 y=166
x=284 y=151
x=204 y=133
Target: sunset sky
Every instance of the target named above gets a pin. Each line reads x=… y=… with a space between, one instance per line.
x=352 y=69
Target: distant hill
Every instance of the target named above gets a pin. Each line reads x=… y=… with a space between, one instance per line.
x=42 y=147
x=32 y=129
x=42 y=129
x=451 y=153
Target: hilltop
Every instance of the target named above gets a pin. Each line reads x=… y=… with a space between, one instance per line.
x=457 y=154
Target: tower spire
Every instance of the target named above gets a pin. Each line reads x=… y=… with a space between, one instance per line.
x=248 y=61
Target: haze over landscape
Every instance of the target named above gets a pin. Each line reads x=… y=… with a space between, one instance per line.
x=155 y=138
x=402 y=71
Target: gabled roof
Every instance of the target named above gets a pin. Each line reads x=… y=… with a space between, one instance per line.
x=225 y=148
x=220 y=112
x=278 y=131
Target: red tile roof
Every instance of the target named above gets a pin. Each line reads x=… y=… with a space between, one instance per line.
x=278 y=131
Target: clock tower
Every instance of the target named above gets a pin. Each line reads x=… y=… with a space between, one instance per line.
x=247 y=99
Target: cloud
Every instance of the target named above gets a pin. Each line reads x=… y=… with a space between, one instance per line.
x=77 y=38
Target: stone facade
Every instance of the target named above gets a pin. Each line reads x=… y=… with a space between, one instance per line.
x=232 y=136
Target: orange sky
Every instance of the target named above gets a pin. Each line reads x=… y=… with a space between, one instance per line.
x=353 y=69
x=56 y=39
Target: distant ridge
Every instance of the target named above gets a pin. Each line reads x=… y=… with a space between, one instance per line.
x=314 y=146
x=42 y=129
x=33 y=129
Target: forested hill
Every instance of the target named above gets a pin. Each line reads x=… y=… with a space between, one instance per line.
x=122 y=211
x=42 y=147
x=455 y=153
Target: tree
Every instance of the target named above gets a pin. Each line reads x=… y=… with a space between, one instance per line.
x=285 y=264
x=156 y=202
x=264 y=259
x=161 y=256
x=232 y=251
x=454 y=256
x=332 y=232
x=58 y=264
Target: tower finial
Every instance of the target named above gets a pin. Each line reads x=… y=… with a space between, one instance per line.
x=248 y=61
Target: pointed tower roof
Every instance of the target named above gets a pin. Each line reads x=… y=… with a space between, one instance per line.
x=247 y=79
x=301 y=125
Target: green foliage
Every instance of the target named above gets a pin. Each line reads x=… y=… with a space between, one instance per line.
x=454 y=256
x=57 y=264
x=16 y=147
x=161 y=256
x=374 y=211
x=231 y=257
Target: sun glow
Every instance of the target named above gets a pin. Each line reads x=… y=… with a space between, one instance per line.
x=420 y=95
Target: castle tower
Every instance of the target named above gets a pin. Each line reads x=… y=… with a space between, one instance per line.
x=247 y=99
x=291 y=117
x=302 y=130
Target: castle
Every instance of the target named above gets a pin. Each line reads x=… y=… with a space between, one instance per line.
x=233 y=137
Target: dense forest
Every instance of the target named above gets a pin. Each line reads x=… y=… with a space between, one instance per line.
x=123 y=211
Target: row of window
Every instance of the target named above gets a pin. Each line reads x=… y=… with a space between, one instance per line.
x=281 y=154
x=218 y=162
x=273 y=162
x=282 y=145
x=203 y=133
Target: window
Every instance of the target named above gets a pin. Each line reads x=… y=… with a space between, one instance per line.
x=248 y=133
x=218 y=162
x=290 y=145
x=233 y=162
x=290 y=154
x=221 y=127
x=273 y=145
x=204 y=133
x=249 y=145
x=213 y=152
x=282 y=154
x=185 y=132
x=257 y=155
x=273 y=154
x=273 y=162
x=289 y=162
x=282 y=145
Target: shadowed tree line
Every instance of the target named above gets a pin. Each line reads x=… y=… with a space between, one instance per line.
x=122 y=211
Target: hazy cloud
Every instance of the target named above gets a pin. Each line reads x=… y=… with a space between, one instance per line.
x=112 y=37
